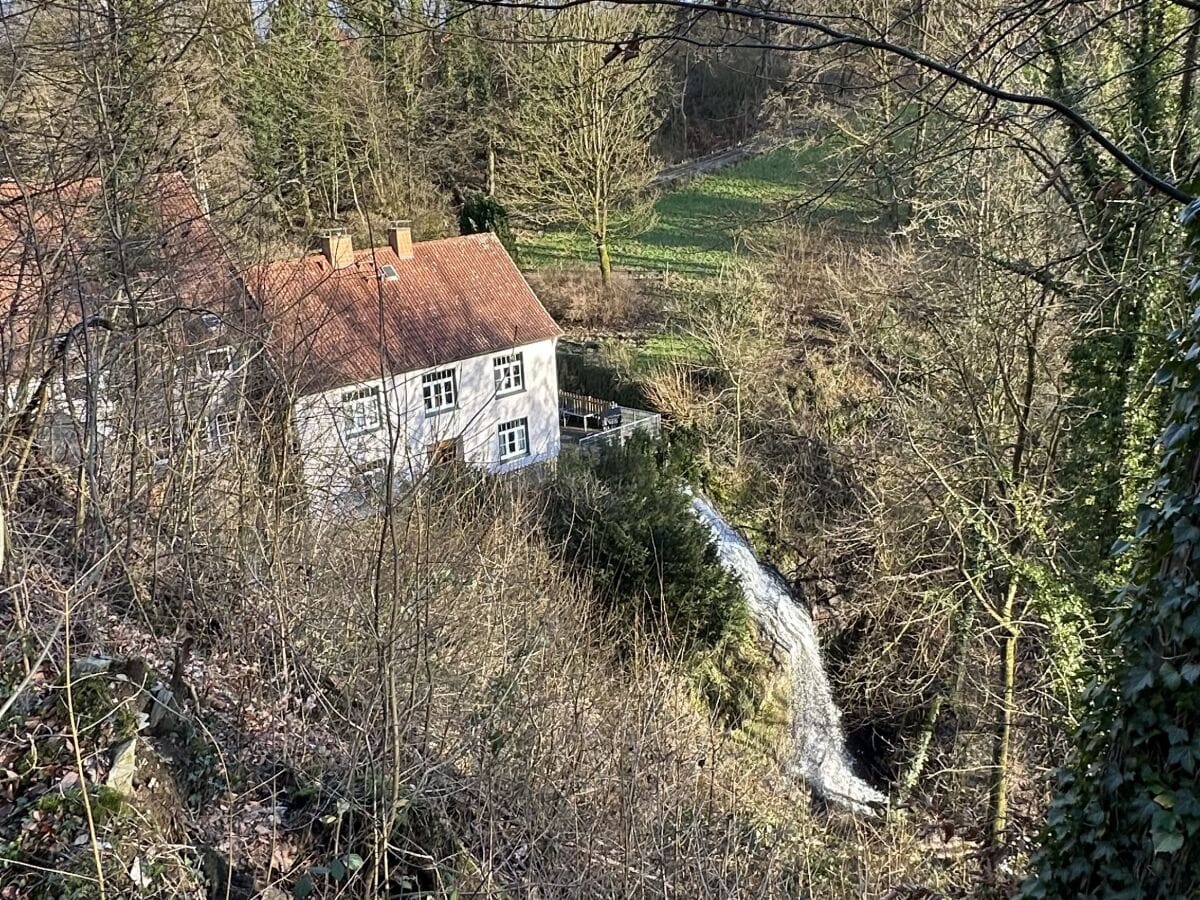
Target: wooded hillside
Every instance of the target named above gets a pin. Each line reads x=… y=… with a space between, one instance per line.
x=910 y=284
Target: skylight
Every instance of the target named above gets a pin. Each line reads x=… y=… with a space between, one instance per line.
x=389 y=273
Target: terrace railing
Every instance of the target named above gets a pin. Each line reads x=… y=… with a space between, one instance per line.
x=590 y=423
x=587 y=413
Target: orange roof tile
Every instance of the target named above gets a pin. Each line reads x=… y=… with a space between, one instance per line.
x=54 y=239
x=456 y=298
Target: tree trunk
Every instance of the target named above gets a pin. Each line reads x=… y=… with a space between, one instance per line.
x=912 y=774
x=605 y=262
x=1008 y=656
x=491 y=169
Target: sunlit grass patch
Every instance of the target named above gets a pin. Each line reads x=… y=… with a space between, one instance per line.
x=707 y=224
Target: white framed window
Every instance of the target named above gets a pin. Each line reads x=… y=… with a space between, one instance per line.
x=514 y=438
x=360 y=411
x=509 y=373
x=388 y=273
x=221 y=430
x=160 y=441
x=439 y=391
x=76 y=387
x=219 y=361
x=368 y=483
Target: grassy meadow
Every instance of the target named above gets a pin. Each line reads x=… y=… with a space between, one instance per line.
x=704 y=225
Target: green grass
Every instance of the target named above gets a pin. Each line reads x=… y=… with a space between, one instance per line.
x=704 y=225
x=662 y=349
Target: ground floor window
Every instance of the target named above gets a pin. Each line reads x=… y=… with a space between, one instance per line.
x=221 y=430
x=514 y=439
x=368 y=483
x=444 y=453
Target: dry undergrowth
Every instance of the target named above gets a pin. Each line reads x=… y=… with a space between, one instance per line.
x=426 y=709
x=575 y=296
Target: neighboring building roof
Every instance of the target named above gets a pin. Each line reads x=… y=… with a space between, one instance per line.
x=454 y=299
x=56 y=242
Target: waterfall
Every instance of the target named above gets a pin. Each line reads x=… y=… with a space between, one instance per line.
x=817 y=751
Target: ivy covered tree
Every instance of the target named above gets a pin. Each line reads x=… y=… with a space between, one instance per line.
x=1125 y=289
x=1126 y=820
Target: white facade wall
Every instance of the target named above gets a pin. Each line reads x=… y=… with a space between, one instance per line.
x=332 y=456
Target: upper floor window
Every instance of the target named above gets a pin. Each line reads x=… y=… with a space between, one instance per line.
x=514 y=439
x=509 y=372
x=360 y=410
x=439 y=391
x=219 y=361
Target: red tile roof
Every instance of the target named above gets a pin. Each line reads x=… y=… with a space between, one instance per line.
x=55 y=238
x=456 y=298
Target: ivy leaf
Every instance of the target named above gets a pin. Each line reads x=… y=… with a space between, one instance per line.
x=1167 y=842
x=354 y=862
x=1175 y=433
x=304 y=887
x=1170 y=676
x=1139 y=679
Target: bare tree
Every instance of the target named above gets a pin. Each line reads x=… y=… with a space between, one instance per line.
x=577 y=150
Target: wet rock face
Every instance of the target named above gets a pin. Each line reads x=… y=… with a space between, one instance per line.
x=818 y=748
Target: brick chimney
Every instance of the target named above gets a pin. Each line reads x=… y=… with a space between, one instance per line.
x=400 y=238
x=338 y=249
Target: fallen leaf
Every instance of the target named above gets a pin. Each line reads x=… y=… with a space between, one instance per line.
x=137 y=876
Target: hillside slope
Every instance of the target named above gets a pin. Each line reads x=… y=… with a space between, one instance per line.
x=419 y=706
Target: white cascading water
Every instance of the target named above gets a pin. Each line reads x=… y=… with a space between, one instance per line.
x=818 y=750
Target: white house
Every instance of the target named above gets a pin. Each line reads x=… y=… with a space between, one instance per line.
x=417 y=354
x=149 y=361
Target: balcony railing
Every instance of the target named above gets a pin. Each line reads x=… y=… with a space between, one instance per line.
x=591 y=424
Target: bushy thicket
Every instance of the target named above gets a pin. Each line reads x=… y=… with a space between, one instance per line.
x=622 y=518
x=420 y=704
x=481 y=214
